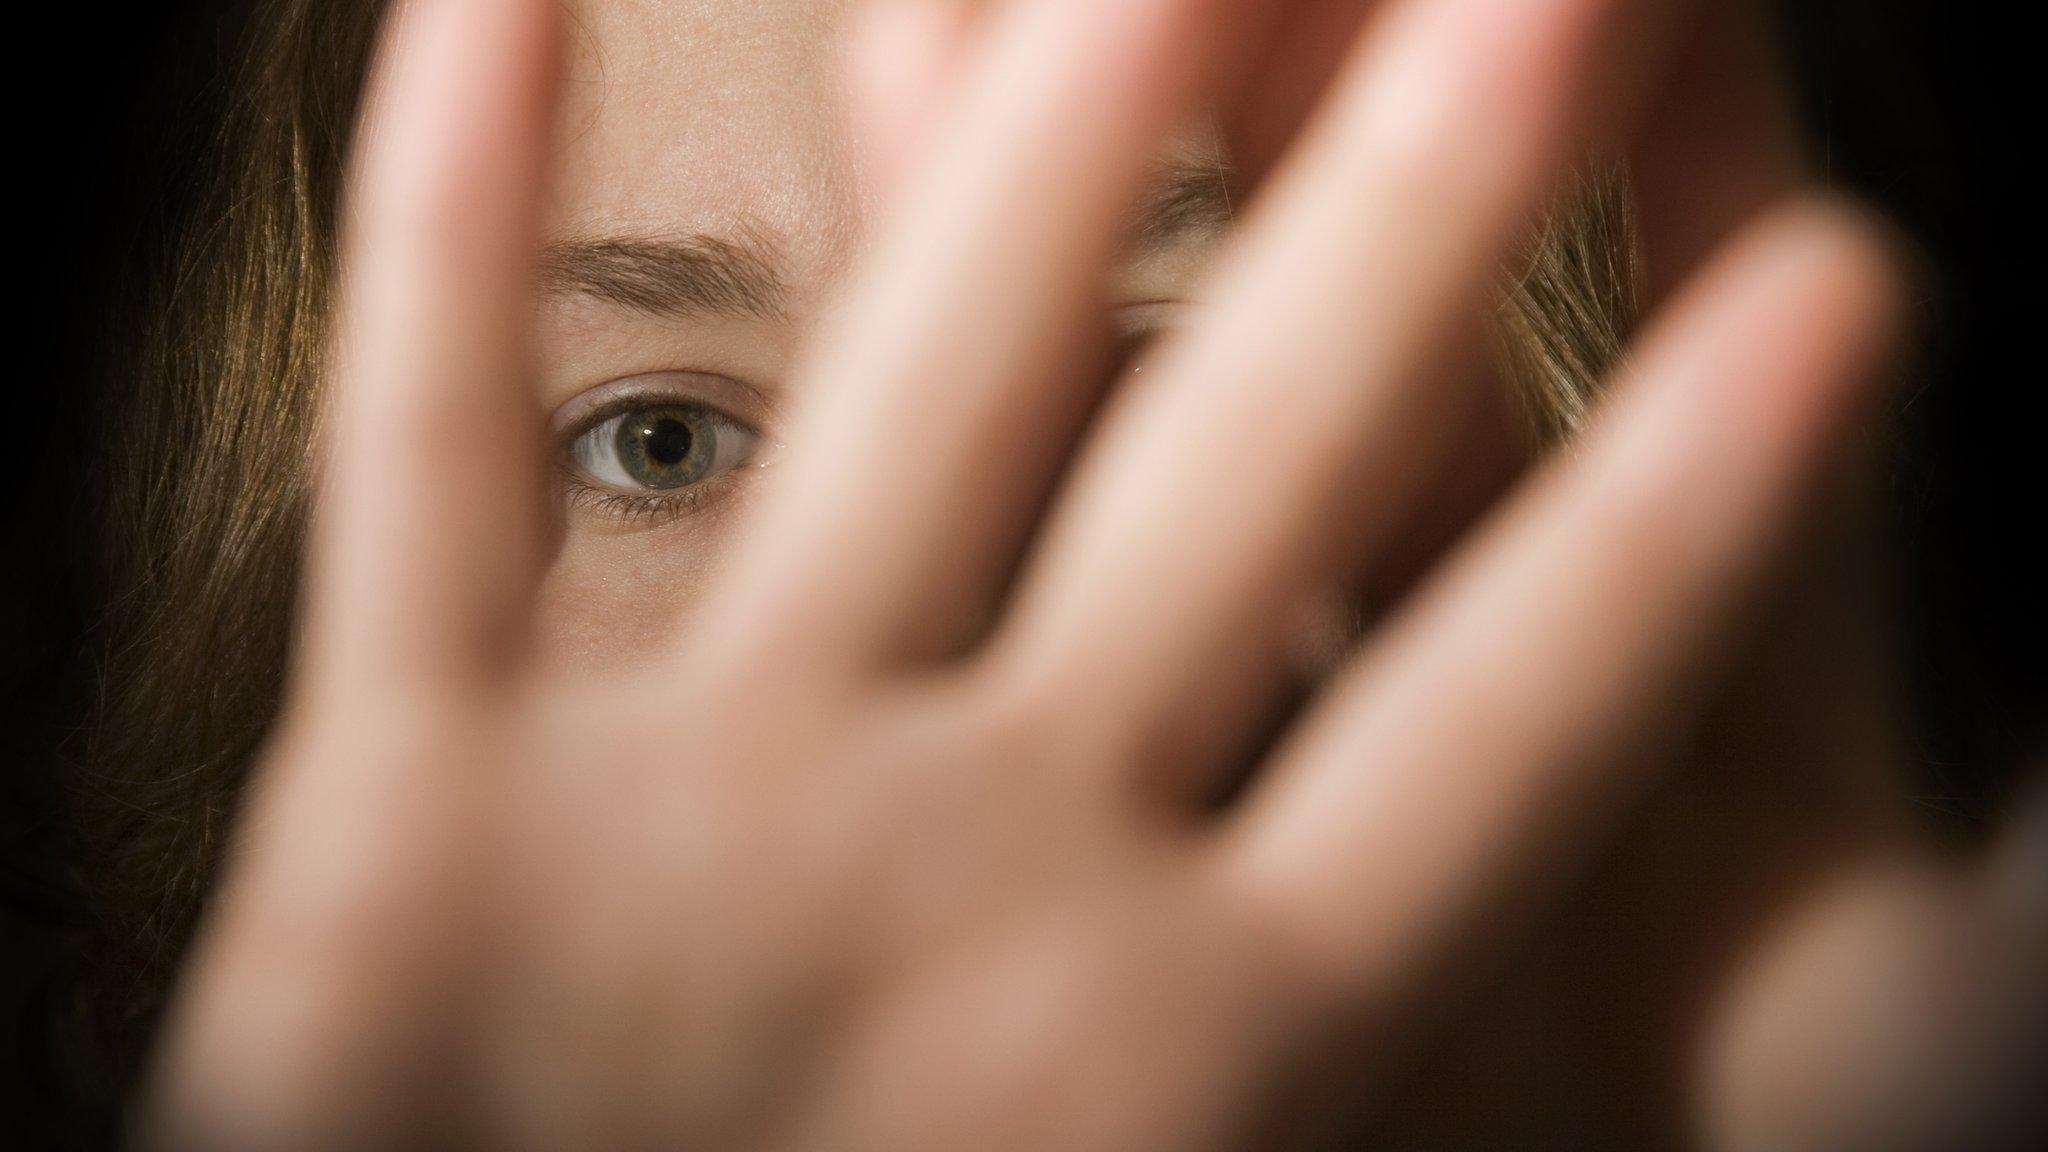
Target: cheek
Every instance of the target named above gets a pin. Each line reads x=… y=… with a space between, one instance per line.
x=617 y=599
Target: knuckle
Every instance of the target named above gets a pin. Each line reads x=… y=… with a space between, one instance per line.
x=1038 y=723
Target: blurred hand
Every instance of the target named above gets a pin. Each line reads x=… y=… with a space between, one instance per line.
x=889 y=851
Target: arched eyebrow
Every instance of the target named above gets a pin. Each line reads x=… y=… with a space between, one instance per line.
x=671 y=277
x=737 y=276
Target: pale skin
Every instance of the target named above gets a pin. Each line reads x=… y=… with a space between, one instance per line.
x=855 y=807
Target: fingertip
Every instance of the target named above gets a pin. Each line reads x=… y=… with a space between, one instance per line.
x=1869 y=277
x=416 y=563
x=1819 y=1019
x=458 y=89
x=2019 y=864
x=1874 y=254
x=1802 y=318
x=899 y=54
x=1886 y=1010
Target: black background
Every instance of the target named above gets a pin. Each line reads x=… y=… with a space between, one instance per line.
x=1921 y=107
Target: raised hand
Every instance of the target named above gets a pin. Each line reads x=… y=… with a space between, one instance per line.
x=900 y=845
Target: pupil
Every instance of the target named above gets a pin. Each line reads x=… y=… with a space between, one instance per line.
x=668 y=441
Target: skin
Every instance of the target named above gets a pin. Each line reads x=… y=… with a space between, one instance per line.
x=812 y=818
x=638 y=137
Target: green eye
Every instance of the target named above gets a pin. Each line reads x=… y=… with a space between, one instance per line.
x=662 y=447
x=665 y=447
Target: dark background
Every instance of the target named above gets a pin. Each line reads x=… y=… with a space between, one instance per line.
x=1915 y=105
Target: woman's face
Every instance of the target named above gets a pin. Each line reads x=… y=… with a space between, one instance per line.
x=710 y=201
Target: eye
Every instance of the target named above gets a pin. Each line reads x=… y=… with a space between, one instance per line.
x=661 y=446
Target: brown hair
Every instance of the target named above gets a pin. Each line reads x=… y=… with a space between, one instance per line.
x=206 y=505
x=208 y=500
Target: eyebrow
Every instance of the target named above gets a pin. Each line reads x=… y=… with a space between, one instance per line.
x=1186 y=199
x=671 y=277
x=737 y=276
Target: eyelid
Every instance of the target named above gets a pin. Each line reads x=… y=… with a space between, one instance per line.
x=1148 y=317
x=734 y=399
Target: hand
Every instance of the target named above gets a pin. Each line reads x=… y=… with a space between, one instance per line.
x=891 y=851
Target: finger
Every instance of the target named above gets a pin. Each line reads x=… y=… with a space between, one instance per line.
x=942 y=395
x=1717 y=144
x=905 y=58
x=432 y=523
x=2019 y=868
x=1458 y=764
x=352 y=859
x=1294 y=427
x=1896 y=1008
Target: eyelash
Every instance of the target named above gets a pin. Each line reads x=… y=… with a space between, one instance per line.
x=657 y=508
x=644 y=509
x=649 y=509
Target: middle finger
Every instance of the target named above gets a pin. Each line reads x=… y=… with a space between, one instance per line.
x=961 y=341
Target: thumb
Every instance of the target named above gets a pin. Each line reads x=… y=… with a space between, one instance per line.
x=1899 y=1009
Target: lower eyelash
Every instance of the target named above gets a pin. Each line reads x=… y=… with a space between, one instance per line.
x=646 y=509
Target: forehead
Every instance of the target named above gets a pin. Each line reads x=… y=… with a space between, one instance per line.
x=710 y=116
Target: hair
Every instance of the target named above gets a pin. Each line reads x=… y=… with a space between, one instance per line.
x=207 y=501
